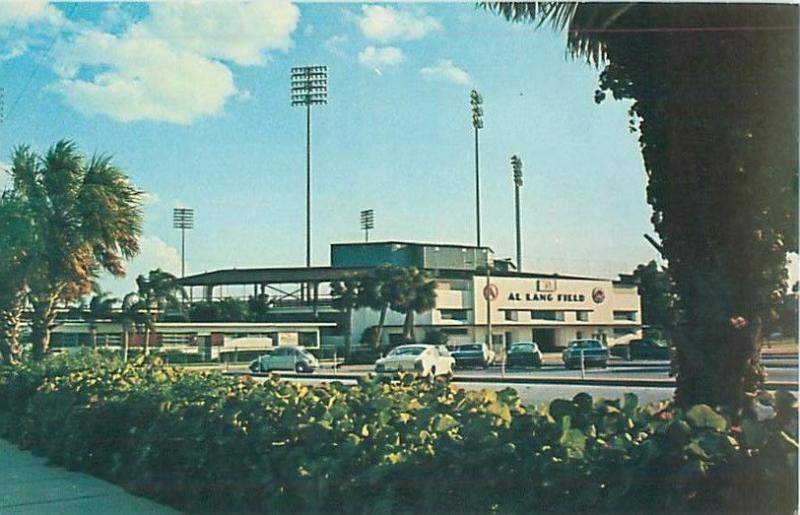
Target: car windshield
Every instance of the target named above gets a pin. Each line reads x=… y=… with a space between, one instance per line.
x=585 y=344
x=471 y=346
x=522 y=347
x=407 y=351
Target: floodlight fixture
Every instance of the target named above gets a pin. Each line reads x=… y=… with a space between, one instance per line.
x=367 y=222
x=183 y=219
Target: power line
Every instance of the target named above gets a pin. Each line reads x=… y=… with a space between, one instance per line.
x=41 y=61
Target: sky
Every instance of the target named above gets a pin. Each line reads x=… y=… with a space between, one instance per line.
x=192 y=101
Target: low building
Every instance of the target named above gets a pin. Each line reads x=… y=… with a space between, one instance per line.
x=208 y=338
x=476 y=296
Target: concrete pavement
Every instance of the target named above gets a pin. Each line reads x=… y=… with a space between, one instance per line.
x=28 y=485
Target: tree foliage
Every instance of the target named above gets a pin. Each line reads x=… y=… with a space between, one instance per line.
x=714 y=100
x=155 y=292
x=84 y=217
x=659 y=310
x=205 y=442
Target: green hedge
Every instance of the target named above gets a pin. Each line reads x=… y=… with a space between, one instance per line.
x=211 y=443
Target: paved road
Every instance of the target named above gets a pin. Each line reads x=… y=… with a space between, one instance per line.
x=541 y=393
x=632 y=372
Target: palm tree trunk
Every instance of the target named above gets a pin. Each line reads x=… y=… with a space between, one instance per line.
x=348 y=337
x=93 y=330
x=9 y=333
x=381 y=322
x=124 y=345
x=408 y=327
x=43 y=317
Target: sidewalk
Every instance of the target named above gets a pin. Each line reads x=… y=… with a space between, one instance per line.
x=29 y=485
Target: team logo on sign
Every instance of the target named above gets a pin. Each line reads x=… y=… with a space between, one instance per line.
x=490 y=292
x=598 y=295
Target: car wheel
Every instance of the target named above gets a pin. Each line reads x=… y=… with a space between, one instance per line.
x=299 y=368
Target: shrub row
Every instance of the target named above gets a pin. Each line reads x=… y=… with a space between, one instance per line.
x=204 y=442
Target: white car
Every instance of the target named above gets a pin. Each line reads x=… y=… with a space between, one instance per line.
x=425 y=360
x=285 y=358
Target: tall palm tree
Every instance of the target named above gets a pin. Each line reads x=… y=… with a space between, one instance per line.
x=101 y=307
x=714 y=100
x=156 y=291
x=345 y=299
x=86 y=217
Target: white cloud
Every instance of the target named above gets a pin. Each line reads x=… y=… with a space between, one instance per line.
x=236 y=32
x=334 y=43
x=21 y=14
x=389 y=24
x=380 y=58
x=140 y=78
x=24 y=24
x=445 y=70
x=171 y=65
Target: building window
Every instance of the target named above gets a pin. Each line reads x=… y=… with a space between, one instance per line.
x=512 y=315
x=629 y=316
x=582 y=316
x=454 y=314
x=579 y=335
x=307 y=339
x=547 y=315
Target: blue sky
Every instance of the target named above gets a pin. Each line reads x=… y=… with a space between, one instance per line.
x=193 y=102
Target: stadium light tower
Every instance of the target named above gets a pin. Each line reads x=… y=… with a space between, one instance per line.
x=476 y=101
x=309 y=88
x=516 y=166
x=183 y=218
x=367 y=222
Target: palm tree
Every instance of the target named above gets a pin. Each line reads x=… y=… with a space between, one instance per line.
x=420 y=297
x=156 y=291
x=131 y=316
x=381 y=289
x=101 y=307
x=345 y=299
x=714 y=100
x=15 y=244
x=85 y=217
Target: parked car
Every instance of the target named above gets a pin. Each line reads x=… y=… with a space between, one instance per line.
x=524 y=354
x=642 y=348
x=647 y=348
x=473 y=354
x=594 y=353
x=285 y=358
x=424 y=360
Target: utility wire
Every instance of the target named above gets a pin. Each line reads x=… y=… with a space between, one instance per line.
x=41 y=61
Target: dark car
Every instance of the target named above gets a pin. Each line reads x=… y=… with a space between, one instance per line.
x=473 y=354
x=591 y=352
x=524 y=354
x=642 y=348
x=647 y=348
